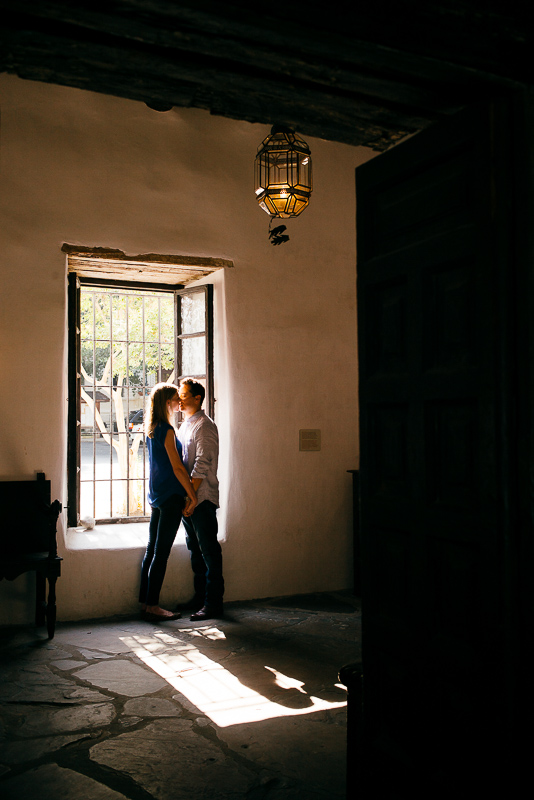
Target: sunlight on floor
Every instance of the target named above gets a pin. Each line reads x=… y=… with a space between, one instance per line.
x=214 y=690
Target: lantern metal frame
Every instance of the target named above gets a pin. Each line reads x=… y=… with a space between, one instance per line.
x=283 y=173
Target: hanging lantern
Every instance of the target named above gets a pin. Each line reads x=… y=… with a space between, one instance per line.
x=283 y=173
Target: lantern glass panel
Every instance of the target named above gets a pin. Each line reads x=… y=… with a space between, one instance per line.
x=304 y=178
x=278 y=169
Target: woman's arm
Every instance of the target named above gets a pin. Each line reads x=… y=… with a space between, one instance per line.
x=180 y=472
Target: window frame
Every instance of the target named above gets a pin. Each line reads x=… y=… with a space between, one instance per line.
x=75 y=283
x=207 y=289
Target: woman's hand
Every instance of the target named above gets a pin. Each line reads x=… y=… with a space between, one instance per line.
x=190 y=506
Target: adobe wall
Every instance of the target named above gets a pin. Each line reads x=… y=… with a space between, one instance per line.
x=98 y=171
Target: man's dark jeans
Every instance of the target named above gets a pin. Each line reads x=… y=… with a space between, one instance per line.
x=164 y=523
x=206 y=555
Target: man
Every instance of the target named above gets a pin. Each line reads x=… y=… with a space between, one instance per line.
x=200 y=451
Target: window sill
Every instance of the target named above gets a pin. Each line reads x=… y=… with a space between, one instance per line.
x=133 y=535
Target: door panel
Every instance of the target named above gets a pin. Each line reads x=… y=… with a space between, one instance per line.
x=432 y=327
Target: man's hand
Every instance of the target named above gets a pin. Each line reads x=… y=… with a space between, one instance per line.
x=189 y=507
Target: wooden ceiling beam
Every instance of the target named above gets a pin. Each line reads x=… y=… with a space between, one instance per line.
x=232 y=61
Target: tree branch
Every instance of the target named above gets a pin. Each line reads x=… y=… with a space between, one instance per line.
x=99 y=421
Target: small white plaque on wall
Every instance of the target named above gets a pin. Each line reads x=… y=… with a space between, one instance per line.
x=310 y=440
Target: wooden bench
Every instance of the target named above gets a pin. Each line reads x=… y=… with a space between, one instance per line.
x=28 y=541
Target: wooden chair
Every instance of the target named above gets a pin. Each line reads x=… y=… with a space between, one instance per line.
x=28 y=541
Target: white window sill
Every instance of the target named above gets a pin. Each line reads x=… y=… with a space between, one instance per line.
x=114 y=537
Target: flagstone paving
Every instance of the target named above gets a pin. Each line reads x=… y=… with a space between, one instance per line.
x=245 y=707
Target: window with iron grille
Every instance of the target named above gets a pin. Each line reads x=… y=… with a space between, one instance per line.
x=123 y=340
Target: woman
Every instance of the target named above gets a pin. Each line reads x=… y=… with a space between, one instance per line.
x=169 y=485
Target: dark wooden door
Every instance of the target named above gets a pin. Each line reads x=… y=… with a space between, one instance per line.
x=434 y=310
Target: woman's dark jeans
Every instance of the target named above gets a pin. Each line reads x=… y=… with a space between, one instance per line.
x=164 y=524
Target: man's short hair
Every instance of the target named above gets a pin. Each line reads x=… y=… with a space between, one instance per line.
x=195 y=388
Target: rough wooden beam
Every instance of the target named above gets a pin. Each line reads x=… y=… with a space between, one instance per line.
x=103 y=263
x=181 y=82
x=144 y=72
x=342 y=76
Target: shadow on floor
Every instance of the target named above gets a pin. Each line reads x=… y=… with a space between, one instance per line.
x=245 y=707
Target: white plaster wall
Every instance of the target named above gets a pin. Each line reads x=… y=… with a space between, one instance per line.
x=98 y=171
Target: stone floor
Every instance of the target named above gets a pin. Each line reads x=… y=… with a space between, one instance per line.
x=245 y=707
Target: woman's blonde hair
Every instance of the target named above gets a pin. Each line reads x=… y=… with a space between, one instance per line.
x=157 y=410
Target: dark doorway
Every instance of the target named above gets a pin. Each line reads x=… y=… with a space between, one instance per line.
x=438 y=271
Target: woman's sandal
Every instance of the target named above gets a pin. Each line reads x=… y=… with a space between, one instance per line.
x=149 y=617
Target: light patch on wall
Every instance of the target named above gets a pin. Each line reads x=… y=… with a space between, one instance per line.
x=214 y=690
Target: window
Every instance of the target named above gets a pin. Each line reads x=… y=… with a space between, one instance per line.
x=195 y=338
x=123 y=339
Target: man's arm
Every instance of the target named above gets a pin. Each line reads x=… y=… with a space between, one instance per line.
x=206 y=452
